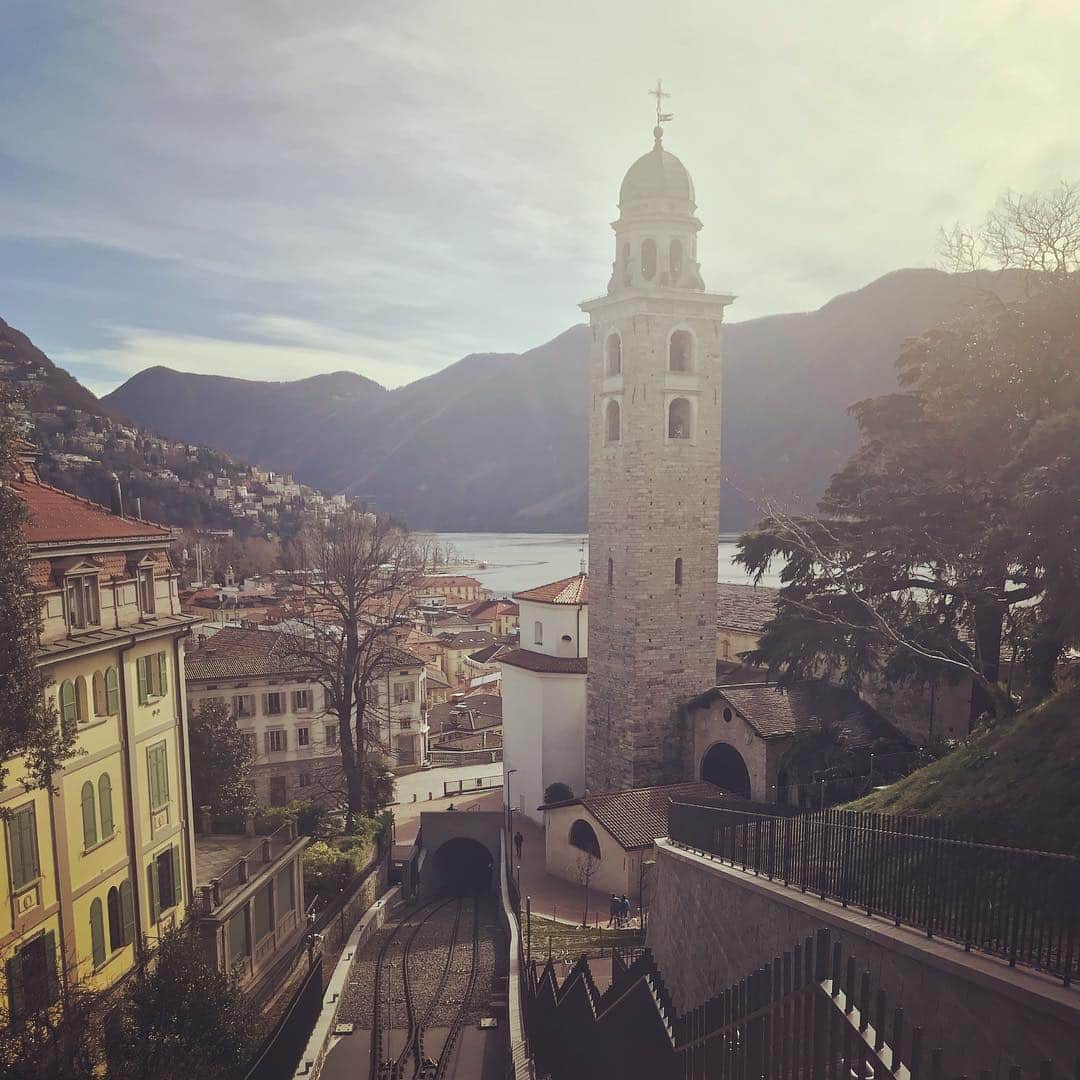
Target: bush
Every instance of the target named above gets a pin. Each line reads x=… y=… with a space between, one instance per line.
x=558 y=792
x=331 y=863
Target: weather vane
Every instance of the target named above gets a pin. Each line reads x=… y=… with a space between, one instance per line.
x=660 y=93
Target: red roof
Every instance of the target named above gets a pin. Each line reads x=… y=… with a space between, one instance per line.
x=56 y=517
x=538 y=661
x=571 y=590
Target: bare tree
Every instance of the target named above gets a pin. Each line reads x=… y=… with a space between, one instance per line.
x=356 y=570
x=584 y=871
x=1039 y=232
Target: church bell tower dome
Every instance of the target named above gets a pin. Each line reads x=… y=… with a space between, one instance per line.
x=657 y=175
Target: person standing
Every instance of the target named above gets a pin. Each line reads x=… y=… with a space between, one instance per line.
x=613 y=912
x=519 y=840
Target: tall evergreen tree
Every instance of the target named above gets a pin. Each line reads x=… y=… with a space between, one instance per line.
x=220 y=762
x=29 y=725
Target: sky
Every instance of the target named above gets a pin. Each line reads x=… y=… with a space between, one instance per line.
x=271 y=189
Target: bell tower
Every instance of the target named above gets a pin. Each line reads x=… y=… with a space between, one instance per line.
x=654 y=478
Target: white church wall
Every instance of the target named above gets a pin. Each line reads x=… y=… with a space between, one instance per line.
x=565 y=628
x=564 y=731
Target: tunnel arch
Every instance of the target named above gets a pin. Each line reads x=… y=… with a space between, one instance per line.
x=725 y=767
x=461 y=866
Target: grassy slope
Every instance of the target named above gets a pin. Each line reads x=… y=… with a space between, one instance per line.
x=1018 y=783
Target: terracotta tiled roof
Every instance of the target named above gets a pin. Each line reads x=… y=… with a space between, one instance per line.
x=491 y=608
x=745 y=607
x=571 y=590
x=473 y=713
x=435 y=677
x=467 y=639
x=57 y=517
x=488 y=654
x=810 y=706
x=431 y=581
x=637 y=816
x=536 y=661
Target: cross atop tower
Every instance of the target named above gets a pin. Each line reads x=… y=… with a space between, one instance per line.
x=660 y=93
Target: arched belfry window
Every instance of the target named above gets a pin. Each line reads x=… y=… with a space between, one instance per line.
x=613 y=350
x=675 y=259
x=648 y=259
x=611 y=422
x=681 y=351
x=678 y=571
x=679 y=419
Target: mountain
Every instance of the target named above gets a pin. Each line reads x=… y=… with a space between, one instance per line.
x=498 y=441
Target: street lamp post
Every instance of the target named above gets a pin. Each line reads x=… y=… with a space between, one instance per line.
x=509 y=804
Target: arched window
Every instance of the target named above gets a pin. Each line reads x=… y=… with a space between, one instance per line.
x=611 y=571
x=112 y=692
x=584 y=838
x=678 y=571
x=81 y=700
x=105 y=804
x=101 y=706
x=648 y=259
x=613 y=350
x=538 y=633
x=679 y=419
x=611 y=422
x=69 y=704
x=97 y=933
x=681 y=351
x=89 y=816
x=675 y=260
x=116 y=921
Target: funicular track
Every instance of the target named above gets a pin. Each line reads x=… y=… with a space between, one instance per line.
x=410 y=1063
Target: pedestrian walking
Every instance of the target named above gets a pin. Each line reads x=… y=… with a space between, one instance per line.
x=624 y=911
x=518 y=841
x=613 y=912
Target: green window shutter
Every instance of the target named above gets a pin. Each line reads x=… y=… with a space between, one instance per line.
x=69 y=705
x=164 y=767
x=105 y=801
x=143 y=672
x=152 y=891
x=52 y=971
x=127 y=912
x=163 y=674
x=89 y=816
x=112 y=692
x=177 y=880
x=15 y=989
x=97 y=933
x=116 y=925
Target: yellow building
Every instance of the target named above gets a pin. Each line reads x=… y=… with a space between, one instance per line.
x=105 y=860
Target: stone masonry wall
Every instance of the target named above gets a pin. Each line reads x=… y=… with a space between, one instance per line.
x=710 y=926
x=652 y=644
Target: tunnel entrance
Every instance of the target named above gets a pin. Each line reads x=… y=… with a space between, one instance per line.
x=723 y=766
x=460 y=867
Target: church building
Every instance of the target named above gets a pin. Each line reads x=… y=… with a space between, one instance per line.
x=654 y=480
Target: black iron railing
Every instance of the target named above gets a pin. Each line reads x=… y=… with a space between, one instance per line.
x=1021 y=905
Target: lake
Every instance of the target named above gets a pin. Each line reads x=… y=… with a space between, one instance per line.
x=517 y=561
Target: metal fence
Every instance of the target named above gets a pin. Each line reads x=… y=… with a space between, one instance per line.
x=1013 y=903
x=478 y=783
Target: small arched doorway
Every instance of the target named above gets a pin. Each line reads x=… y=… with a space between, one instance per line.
x=724 y=766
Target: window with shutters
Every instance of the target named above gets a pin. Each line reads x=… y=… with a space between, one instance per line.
x=97 y=933
x=32 y=979
x=285 y=891
x=147 y=599
x=69 y=704
x=81 y=600
x=127 y=912
x=105 y=805
x=305 y=779
x=89 y=816
x=274 y=703
x=152 y=672
x=112 y=692
x=264 y=912
x=116 y=921
x=302 y=700
x=303 y=736
x=331 y=735
x=244 y=706
x=277 y=741
x=163 y=876
x=23 y=847
x=371 y=693
x=100 y=706
x=403 y=692
x=158 y=773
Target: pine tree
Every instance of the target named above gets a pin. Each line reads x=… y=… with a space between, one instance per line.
x=220 y=762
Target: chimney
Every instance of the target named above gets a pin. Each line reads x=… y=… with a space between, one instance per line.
x=117 y=497
x=138 y=507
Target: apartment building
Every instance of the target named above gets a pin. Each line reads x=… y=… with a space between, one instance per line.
x=105 y=860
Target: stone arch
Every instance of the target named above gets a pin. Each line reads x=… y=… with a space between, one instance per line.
x=583 y=837
x=725 y=767
x=680 y=419
x=613 y=354
x=612 y=422
x=681 y=350
x=461 y=866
